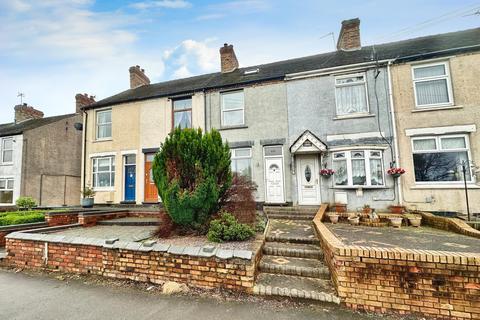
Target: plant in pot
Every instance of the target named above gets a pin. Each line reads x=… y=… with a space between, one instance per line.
x=397 y=209
x=367 y=209
x=414 y=220
x=396 y=221
x=354 y=220
x=395 y=172
x=340 y=207
x=87 y=197
x=327 y=173
x=333 y=216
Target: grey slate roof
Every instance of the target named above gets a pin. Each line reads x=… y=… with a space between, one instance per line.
x=9 y=129
x=433 y=46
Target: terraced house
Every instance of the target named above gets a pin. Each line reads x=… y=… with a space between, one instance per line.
x=284 y=121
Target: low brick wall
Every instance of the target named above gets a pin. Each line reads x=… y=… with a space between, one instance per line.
x=443 y=285
x=195 y=266
x=449 y=224
x=61 y=218
x=5 y=230
x=89 y=219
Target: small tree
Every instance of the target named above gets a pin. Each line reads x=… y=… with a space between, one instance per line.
x=192 y=172
x=26 y=203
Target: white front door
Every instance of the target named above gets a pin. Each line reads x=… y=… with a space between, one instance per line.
x=308 y=180
x=274 y=180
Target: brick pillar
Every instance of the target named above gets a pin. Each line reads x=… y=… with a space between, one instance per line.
x=228 y=59
x=25 y=112
x=349 y=38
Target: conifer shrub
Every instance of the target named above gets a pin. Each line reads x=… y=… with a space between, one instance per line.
x=192 y=173
x=227 y=228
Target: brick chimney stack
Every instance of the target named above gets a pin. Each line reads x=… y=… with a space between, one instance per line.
x=228 y=59
x=82 y=100
x=349 y=38
x=137 y=77
x=25 y=112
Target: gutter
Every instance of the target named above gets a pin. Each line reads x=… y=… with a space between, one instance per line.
x=394 y=124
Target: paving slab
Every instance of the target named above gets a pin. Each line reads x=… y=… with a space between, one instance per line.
x=422 y=238
x=123 y=233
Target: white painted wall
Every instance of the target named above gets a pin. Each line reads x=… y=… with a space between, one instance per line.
x=14 y=170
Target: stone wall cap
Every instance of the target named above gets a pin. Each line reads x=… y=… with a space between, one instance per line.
x=207 y=251
x=120 y=244
x=176 y=249
x=192 y=251
x=243 y=254
x=134 y=246
x=224 y=253
x=111 y=240
x=161 y=247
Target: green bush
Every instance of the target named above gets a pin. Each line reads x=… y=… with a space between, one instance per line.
x=20 y=217
x=26 y=202
x=192 y=172
x=227 y=228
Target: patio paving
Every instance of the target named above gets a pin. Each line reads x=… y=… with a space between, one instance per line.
x=291 y=229
x=422 y=238
x=124 y=233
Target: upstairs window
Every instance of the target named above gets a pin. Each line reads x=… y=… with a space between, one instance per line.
x=104 y=172
x=6 y=150
x=351 y=95
x=233 y=108
x=358 y=168
x=104 y=124
x=6 y=191
x=182 y=113
x=242 y=162
x=439 y=159
x=432 y=85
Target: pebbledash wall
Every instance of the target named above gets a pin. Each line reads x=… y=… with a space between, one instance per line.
x=150 y=262
x=442 y=285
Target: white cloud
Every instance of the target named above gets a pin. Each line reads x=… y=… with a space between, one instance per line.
x=170 y=4
x=210 y=16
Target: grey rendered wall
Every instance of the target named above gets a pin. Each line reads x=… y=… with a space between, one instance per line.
x=311 y=106
x=265 y=118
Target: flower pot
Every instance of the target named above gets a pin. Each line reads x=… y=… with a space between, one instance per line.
x=396 y=175
x=415 y=221
x=396 y=222
x=354 y=220
x=87 y=202
x=397 y=209
x=340 y=208
x=333 y=218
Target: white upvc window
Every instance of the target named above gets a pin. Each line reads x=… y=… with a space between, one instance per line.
x=6 y=190
x=439 y=159
x=432 y=85
x=103 y=169
x=182 y=113
x=104 y=124
x=241 y=162
x=358 y=168
x=233 y=108
x=6 y=148
x=351 y=94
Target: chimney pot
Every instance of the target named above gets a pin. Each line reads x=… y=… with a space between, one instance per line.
x=83 y=100
x=138 y=77
x=349 y=38
x=228 y=59
x=24 y=112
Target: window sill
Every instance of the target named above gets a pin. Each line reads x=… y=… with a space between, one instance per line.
x=444 y=186
x=6 y=164
x=354 y=116
x=233 y=127
x=102 y=140
x=104 y=189
x=359 y=187
x=7 y=204
x=433 y=108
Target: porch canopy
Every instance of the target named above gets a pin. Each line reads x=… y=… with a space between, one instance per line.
x=307 y=142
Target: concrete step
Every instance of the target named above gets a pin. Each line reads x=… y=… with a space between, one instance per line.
x=284 y=216
x=312 y=268
x=306 y=210
x=131 y=221
x=293 y=250
x=295 y=287
x=292 y=239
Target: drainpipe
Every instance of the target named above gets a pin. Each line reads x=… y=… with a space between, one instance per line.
x=84 y=148
x=205 y=109
x=395 y=139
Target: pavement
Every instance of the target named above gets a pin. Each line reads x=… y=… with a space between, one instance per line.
x=39 y=296
x=421 y=238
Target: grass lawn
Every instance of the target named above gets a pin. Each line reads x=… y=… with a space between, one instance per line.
x=19 y=217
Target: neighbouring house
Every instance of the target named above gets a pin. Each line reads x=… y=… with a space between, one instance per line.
x=437 y=108
x=284 y=122
x=40 y=157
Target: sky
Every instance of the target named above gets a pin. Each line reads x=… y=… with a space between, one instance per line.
x=52 y=49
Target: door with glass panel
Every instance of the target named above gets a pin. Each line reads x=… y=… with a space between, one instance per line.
x=151 y=192
x=130 y=177
x=308 y=180
x=274 y=182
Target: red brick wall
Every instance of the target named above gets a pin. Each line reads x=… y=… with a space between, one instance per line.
x=91 y=220
x=61 y=219
x=235 y=274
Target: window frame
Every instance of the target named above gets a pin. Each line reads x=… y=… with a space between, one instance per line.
x=351 y=75
x=111 y=187
x=250 y=156
x=8 y=189
x=182 y=110
x=97 y=125
x=2 y=150
x=222 y=111
x=366 y=157
x=447 y=76
x=439 y=149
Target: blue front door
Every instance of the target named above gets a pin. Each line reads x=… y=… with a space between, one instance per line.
x=130 y=182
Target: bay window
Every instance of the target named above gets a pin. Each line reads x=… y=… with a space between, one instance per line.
x=104 y=172
x=241 y=162
x=351 y=95
x=358 y=168
x=432 y=85
x=6 y=190
x=182 y=113
x=233 y=108
x=439 y=159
